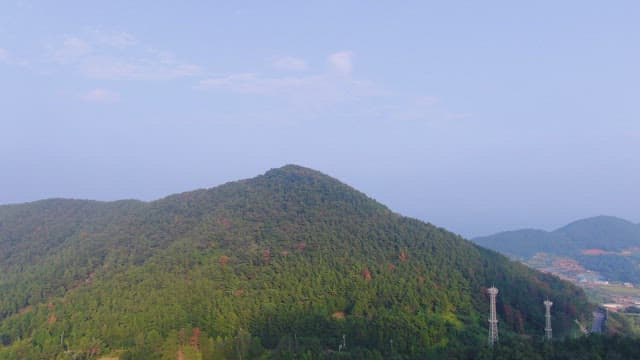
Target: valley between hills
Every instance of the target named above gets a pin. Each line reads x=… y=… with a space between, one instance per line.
x=600 y=254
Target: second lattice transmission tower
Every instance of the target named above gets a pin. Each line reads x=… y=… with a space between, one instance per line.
x=493 y=318
x=547 y=316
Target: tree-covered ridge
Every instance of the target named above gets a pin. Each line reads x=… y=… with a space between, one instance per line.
x=606 y=244
x=601 y=232
x=282 y=264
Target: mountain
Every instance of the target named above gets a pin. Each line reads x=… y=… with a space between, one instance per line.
x=605 y=244
x=525 y=243
x=605 y=232
x=289 y=264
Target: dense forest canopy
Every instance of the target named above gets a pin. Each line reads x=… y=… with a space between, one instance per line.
x=290 y=264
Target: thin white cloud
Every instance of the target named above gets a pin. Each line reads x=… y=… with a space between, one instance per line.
x=342 y=62
x=312 y=89
x=249 y=83
x=289 y=63
x=457 y=116
x=426 y=101
x=101 y=96
x=119 y=56
x=7 y=58
x=4 y=55
x=112 y=68
x=116 y=39
x=335 y=92
x=71 y=49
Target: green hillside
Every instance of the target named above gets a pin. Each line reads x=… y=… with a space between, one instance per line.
x=606 y=244
x=289 y=264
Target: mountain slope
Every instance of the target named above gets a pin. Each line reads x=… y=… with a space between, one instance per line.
x=605 y=244
x=287 y=262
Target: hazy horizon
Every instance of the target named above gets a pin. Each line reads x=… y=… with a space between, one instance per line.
x=476 y=118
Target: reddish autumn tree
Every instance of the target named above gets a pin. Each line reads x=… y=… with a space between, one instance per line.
x=266 y=256
x=366 y=274
x=195 y=338
x=224 y=260
x=508 y=313
x=403 y=256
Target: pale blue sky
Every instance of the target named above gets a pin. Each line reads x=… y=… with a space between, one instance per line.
x=477 y=116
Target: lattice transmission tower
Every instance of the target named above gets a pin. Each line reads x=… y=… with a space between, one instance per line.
x=547 y=317
x=493 y=318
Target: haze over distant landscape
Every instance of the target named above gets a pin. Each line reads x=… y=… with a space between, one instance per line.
x=477 y=117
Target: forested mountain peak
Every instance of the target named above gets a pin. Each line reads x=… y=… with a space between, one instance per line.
x=599 y=224
x=293 y=169
x=288 y=261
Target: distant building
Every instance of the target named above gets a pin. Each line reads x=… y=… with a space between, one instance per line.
x=613 y=307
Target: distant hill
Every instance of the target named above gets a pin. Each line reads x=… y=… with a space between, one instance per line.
x=290 y=264
x=605 y=232
x=606 y=244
